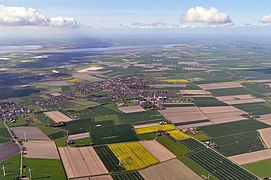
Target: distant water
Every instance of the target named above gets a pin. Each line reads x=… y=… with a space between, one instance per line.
x=7 y=49
x=116 y=49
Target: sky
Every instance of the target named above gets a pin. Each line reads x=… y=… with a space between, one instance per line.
x=66 y=17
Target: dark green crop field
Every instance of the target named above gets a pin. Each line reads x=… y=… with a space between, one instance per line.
x=112 y=134
x=133 y=175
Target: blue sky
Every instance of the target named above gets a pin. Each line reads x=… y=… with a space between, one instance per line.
x=93 y=14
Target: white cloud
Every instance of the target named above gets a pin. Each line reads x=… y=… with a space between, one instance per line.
x=266 y=19
x=207 y=16
x=21 y=16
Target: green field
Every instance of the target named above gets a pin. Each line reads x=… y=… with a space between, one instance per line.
x=109 y=134
x=81 y=142
x=110 y=161
x=255 y=108
x=260 y=168
x=147 y=136
x=219 y=166
x=196 y=167
x=77 y=126
x=193 y=144
x=207 y=101
x=132 y=175
x=175 y=147
x=4 y=134
x=238 y=143
x=12 y=167
x=233 y=128
x=234 y=91
x=44 y=169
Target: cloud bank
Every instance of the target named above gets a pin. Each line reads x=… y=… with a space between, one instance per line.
x=21 y=16
x=266 y=19
x=207 y=16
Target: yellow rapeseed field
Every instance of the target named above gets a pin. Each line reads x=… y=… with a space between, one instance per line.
x=150 y=129
x=175 y=81
x=178 y=135
x=133 y=155
x=229 y=82
x=74 y=80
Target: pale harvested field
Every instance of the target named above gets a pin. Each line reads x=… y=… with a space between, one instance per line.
x=220 y=85
x=56 y=94
x=81 y=162
x=262 y=81
x=223 y=114
x=194 y=69
x=266 y=136
x=131 y=109
x=240 y=99
x=41 y=149
x=198 y=93
x=146 y=125
x=104 y=177
x=265 y=119
x=31 y=133
x=57 y=83
x=159 y=151
x=189 y=63
x=251 y=157
x=87 y=77
x=194 y=125
x=167 y=85
x=173 y=169
x=79 y=136
x=183 y=114
x=93 y=68
x=57 y=116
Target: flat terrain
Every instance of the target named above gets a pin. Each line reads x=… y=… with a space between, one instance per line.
x=131 y=109
x=31 y=133
x=173 y=169
x=41 y=150
x=266 y=136
x=240 y=99
x=8 y=150
x=133 y=155
x=251 y=157
x=260 y=168
x=159 y=151
x=57 y=116
x=80 y=162
x=266 y=118
x=212 y=86
x=183 y=114
x=223 y=114
x=195 y=93
x=79 y=136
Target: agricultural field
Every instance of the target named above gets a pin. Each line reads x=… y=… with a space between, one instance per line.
x=108 y=158
x=44 y=169
x=4 y=134
x=177 y=148
x=8 y=149
x=260 y=168
x=28 y=133
x=220 y=167
x=233 y=128
x=12 y=167
x=176 y=134
x=57 y=116
x=156 y=149
x=80 y=162
x=134 y=175
x=238 y=143
x=133 y=155
x=255 y=108
x=109 y=134
x=152 y=129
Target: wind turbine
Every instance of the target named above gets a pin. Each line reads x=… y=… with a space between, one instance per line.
x=4 y=171
x=30 y=173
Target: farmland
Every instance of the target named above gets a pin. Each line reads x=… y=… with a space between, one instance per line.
x=260 y=168
x=127 y=175
x=238 y=143
x=132 y=155
x=154 y=129
x=112 y=134
x=176 y=134
x=110 y=161
x=12 y=166
x=220 y=167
